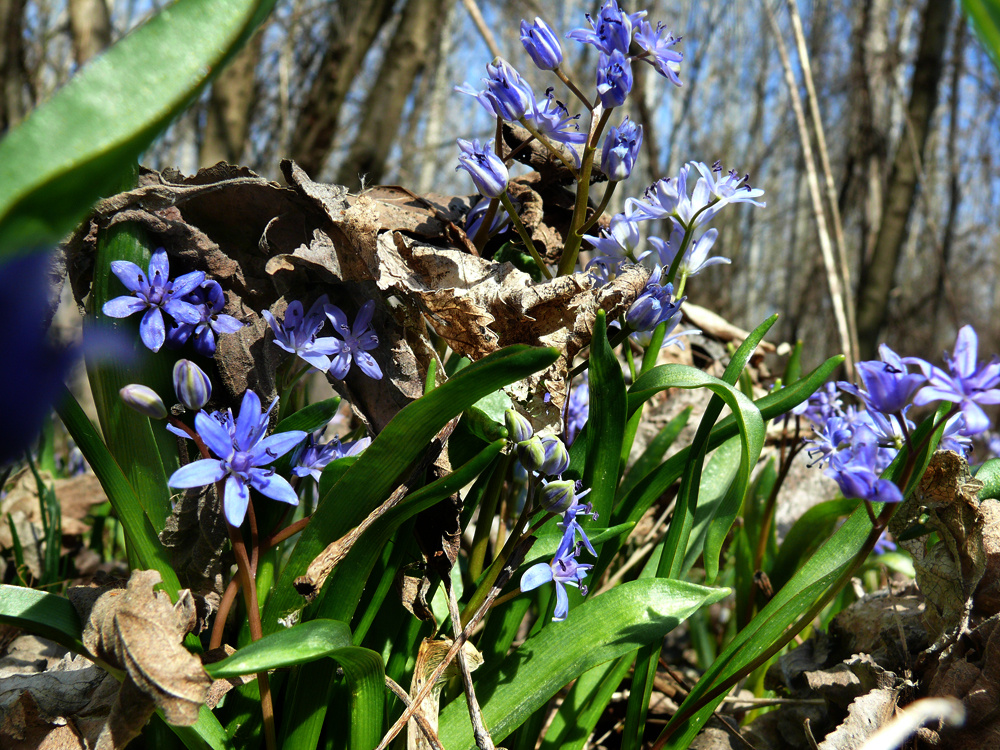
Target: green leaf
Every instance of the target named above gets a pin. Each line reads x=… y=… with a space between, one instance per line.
x=141 y=536
x=716 y=483
x=806 y=536
x=485 y=418
x=584 y=706
x=989 y=475
x=43 y=614
x=370 y=480
x=299 y=644
x=73 y=150
x=985 y=16
x=653 y=455
x=613 y=624
x=310 y=418
x=606 y=421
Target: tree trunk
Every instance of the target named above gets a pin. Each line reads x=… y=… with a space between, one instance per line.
x=351 y=34
x=90 y=26
x=230 y=106
x=877 y=275
x=404 y=60
x=13 y=74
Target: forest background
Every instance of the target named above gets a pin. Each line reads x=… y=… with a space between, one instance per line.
x=880 y=224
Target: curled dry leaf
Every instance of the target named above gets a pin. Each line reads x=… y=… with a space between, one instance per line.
x=949 y=571
x=139 y=631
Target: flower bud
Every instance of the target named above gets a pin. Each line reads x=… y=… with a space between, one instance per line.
x=144 y=400
x=191 y=384
x=621 y=147
x=518 y=428
x=556 y=459
x=541 y=44
x=557 y=496
x=531 y=453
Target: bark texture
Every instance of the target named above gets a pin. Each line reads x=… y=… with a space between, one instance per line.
x=90 y=23
x=877 y=275
x=230 y=107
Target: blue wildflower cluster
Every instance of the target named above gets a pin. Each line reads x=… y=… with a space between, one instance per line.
x=298 y=334
x=548 y=457
x=857 y=443
x=312 y=456
x=192 y=304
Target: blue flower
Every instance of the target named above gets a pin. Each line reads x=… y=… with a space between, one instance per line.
x=654 y=306
x=243 y=451
x=656 y=46
x=969 y=384
x=856 y=473
x=620 y=150
x=614 y=79
x=507 y=95
x=144 y=400
x=552 y=119
x=356 y=344
x=209 y=299
x=613 y=30
x=541 y=44
x=955 y=438
x=888 y=385
x=617 y=245
x=487 y=169
x=545 y=455
x=297 y=333
x=669 y=198
x=695 y=258
x=155 y=295
x=563 y=571
x=312 y=457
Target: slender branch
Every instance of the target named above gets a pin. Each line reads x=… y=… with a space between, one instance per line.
x=222 y=613
x=572 y=87
x=479 y=730
x=421 y=720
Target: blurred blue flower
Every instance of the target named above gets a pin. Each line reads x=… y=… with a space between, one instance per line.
x=656 y=44
x=243 y=451
x=620 y=150
x=968 y=384
x=577 y=410
x=296 y=334
x=156 y=295
x=613 y=30
x=564 y=570
x=475 y=217
x=487 y=169
x=541 y=44
x=208 y=299
x=356 y=344
x=614 y=79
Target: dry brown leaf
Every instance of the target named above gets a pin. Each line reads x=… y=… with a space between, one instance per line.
x=139 y=631
x=949 y=571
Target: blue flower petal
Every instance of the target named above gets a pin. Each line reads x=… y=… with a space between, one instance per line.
x=129 y=274
x=236 y=500
x=159 y=263
x=248 y=420
x=226 y=324
x=122 y=307
x=215 y=436
x=197 y=474
x=151 y=329
x=273 y=486
x=188 y=283
x=562 y=603
x=340 y=364
x=535 y=576
x=276 y=445
x=182 y=311
x=368 y=365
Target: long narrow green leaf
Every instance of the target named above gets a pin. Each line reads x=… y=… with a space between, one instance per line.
x=142 y=539
x=606 y=421
x=653 y=455
x=73 y=150
x=43 y=614
x=617 y=622
x=586 y=703
x=369 y=481
x=302 y=643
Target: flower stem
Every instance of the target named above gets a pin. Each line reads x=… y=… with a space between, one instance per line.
x=483 y=233
x=571 y=249
x=548 y=144
x=256 y=631
x=523 y=232
x=572 y=87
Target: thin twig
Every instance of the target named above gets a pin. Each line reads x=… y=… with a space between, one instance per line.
x=484 y=31
x=425 y=728
x=479 y=730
